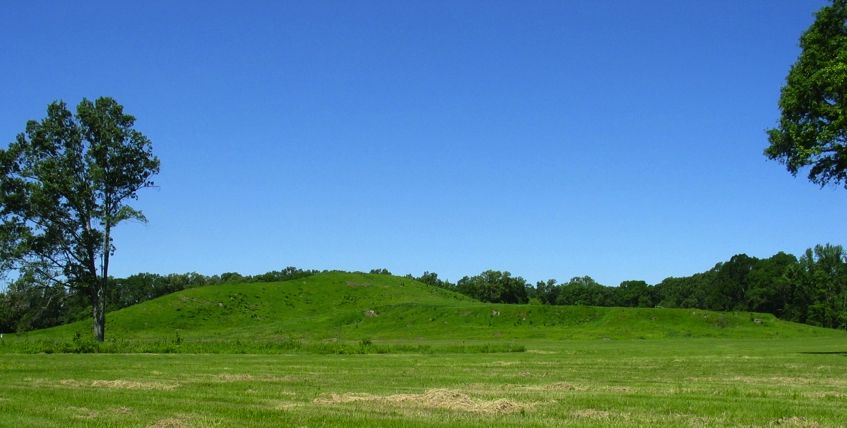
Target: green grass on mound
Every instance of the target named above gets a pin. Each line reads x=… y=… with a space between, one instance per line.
x=364 y=313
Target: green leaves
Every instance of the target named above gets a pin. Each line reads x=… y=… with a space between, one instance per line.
x=127 y=213
x=63 y=185
x=812 y=130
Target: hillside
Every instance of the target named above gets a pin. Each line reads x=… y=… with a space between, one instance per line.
x=351 y=307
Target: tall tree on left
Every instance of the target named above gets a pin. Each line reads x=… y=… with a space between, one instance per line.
x=65 y=183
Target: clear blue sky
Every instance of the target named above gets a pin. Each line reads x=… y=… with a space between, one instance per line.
x=616 y=139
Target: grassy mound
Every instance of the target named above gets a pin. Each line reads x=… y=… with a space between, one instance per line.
x=351 y=312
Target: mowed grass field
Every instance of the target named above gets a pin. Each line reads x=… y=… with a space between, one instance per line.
x=673 y=382
x=370 y=350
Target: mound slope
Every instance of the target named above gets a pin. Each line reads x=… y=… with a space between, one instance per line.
x=354 y=306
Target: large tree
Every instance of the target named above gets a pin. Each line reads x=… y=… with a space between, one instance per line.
x=494 y=287
x=65 y=182
x=812 y=129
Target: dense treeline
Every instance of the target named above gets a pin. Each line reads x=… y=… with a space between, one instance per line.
x=810 y=289
x=26 y=305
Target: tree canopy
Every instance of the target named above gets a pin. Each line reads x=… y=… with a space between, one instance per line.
x=812 y=129
x=65 y=182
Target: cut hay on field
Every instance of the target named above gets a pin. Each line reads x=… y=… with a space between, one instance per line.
x=600 y=415
x=556 y=386
x=117 y=384
x=431 y=399
x=168 y=423
x=794 y=421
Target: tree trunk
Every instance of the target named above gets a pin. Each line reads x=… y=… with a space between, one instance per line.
x=100 y=289
x=99 y=313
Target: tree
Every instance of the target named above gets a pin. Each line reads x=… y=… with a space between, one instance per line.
x=635 y=294
x=823 y=276
x=494 y=287
x=769 y=285
x=547 y=291
x=728 y=288
x=431 y=278
x=26 y=307
x=584 y=290
x=64 y=184
x=812 y=129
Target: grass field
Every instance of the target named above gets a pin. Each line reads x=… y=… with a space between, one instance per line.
x=672 y=382
x=369 y=350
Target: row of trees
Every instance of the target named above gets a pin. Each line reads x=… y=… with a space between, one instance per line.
x=811 y=289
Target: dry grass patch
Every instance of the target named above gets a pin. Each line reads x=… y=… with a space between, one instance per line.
x=794 y=421
x=594 y=414
x=771 y=380
x=601 y=415
x=287 y=405
x=693 y=421
x=556 y=386
x=232 y=377
x=824 y=394
x=431 y=399
x=539 y=351
x=117 y=384
x=617 y=389
x=245 y=377
x=501 y=364
x=83 y=413
x=168 y=423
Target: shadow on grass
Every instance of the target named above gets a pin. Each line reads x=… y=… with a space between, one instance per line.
x=842 y=353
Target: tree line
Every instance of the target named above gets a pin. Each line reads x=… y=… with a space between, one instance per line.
x=811 y=289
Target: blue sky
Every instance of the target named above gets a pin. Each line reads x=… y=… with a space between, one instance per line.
x=617 y=139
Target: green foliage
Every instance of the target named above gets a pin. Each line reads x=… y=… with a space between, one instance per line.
x=583 y=290
x=812 y=129
x=811 y=290
x=545 y=291
x=821 y=280
x=494 y=287
x=332 y=313
x=636 y=294
x=431 y=278
x=27 y=305
x=64 y=184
